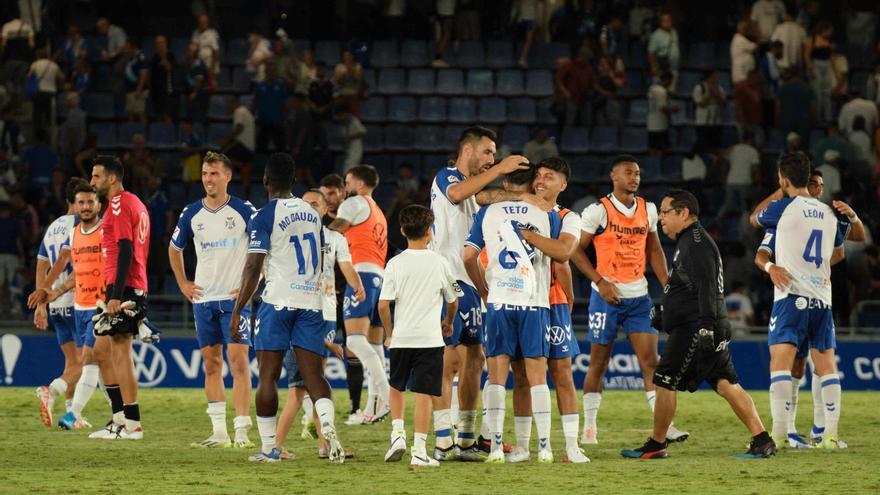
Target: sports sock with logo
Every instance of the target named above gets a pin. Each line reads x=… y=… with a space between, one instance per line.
x=541 y=412
x=354 y=377
x=68 y=404
x=818 y=406
x=217 y=412
x=570 y=427
x=58 y=387
x=419 y=440
x=379 y=349
x=397 y=428
x=592 y=400
x=442 y=429
x=242 y=424
x=495 y=398
x=792 y=417
x=522 y=428
x=453 y=406
x=466 y=422
x=831 y=400
x=85 y=387
x=132 y=416
x=325 y=410
x=485 y=431
x=308 y=408
x=780 y=401
x=651 y=395
x=266 y=426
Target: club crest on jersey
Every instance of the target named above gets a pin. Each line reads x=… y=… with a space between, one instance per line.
x=230 y=223
x=800 y=303
x=143 y=227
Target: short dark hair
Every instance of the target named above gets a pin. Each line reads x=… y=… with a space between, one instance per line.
x=617 y=160
x=83 y=187
x=73 y=186
x=214 y=157
x=682 y=199
x=795 y=167
x=333 y=180
x=366 y=173
x=280 y=171
x=470 y=135
x=816 y=173
x=111 y=164
x=522 y=176
x=415 y=220
x=318 y=192
x=557 y=164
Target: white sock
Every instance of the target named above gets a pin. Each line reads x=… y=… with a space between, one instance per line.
x=453 y=406
x=57 y=388
x=570 y=427
x=68 y=404
x=831 y=400
x=326 y=411
x=442 y=429
x=484 y=421
x=466 y=421
x=780 y=401
x=522 y=428
x=241 y=424
x=379 y=349
x=217 y=412
x=496 y=397
x=818 y=406
x=85 y=387
x=419 y=440
x=792 y=417
x=119 y=418
x=378 y=381
x=592 y=400
x=266 y=425
x=541 y=412
x=396 y=428
x=651 y=395
x=308 y=408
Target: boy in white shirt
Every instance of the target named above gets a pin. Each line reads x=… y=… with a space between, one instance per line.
x=418 y=281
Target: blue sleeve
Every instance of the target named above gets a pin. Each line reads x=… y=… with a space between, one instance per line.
x=769 y=241
x=183 y=232
x=475 y=237
x=769 y=216
x=446 y=178
x=843 y=228
x=43 y=253
x=555 y=224
x=260 y=228
x=244 y=208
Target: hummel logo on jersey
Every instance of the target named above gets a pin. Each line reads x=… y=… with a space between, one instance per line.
x=773 y=323
x=787 y=405
x=200 y=226
x=830 y=406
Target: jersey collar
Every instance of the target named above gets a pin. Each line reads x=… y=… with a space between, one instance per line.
x=215 y=210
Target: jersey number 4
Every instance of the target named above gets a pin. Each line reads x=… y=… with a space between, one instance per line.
x=300 y=259
x=813 y=250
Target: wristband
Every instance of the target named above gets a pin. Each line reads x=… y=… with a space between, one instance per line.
x=768 y=265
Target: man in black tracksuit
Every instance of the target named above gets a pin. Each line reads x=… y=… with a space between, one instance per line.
x=694 y=316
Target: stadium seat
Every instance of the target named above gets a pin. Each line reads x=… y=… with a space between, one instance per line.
x=687 y=81
x=634 y=85
x=236 y=51
x=414 y=53
x=480 y=83
x=515 y=136
x=638 y=56
x=402 y=109
x=586 y=168
x=373 y=109
x=635 y=140
x=399 y=137
x=106 y=133
x=217 y=133
x=421 y=82
x=470 y=55
x=544 y=55
x=775 y=142
x=430 y=138
x=521 y=110
x=684 y=139
x=727 y=83
x=301 y=45
x=374 y=141
x=638 y=112
x=223 y=79
x=510 y=82
x=499 y=55
x=241 y=80
x=126 y=132
x=432 y=109
x=370 y=79
x=575 y=140
x=179 y=46
x=462 y=110
x=453 y=132
x=391 y=82
x=384 y=54
x=328 y=52
x=162 y=135
x=450 y=82
x=176 y=195
x=729 y=135
x=670 y=169
x=684 y=115
x=218 y=108
x=649 y=166
x=493 y=110
x=722 y=59
x=100 y=106
x=539 y=82
x=544 y=108
x=700 y=55
x=335 y=140
x=604 y=139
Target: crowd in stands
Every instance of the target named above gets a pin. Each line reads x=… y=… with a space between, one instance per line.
x=706 y=94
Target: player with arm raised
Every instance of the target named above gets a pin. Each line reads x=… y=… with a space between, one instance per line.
x=809 y=238
x=623 y=228
x=217 y=228
x=285 y=235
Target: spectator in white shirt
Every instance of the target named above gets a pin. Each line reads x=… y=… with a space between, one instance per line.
x=861 y=141
x=353 y=132
x=693 y=167
x=258 y=53
x=49 y=77
x=709 y=98
x=17 y=45
x=540 y=147
x=659 y=108
x=739 y=308
x=208 y=41
x=830 y=173
x=792 y=36
x=742 y=52
x=743 y=161
x=115 y=37
x=856 y=107
x=664 y=52
x=239 y=145
x=767 y=14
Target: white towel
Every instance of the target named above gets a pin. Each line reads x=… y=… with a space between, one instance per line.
x=522 y=278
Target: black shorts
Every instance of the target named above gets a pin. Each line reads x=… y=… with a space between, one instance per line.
x=124 y=323
x=685 y=364
x=239 y=153
x=658 y=140
x=423 y=365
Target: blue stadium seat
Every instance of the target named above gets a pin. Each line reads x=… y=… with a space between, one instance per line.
x=687 y=81
x=126 y=131
x=432 y=109
x=480 y=83
x=223 y=79
x=539 y=82
x=462 y=110
x=177 y=195
x=106 y=132
x=430 y=138
x=236 y=51
x=635 y=140
x=162 y=135
x=638 y=112
x=499 y=55
x=470 y=55
x=328 y=52
x=544 y=108
x=218 y=108
x=246 y=100
x=521 y=110
x=453 y=132
x=450 y=82
x=510 y=82
x=373 y=109
x=684 y=115
x=493 y=110
x=414 y=53
x=634 y=85
x=178 y=46
x=604 y=139
x=391 y=82
x=300 y=46
x=671 y=168
x=374 y=141
x=399 y=137
x=544 y=55
x=575 y=140
x=402 y=109
x=241 y=80
x=515 y=136
x=683 y=139
x=586 y=168
x=729 y=135
x=421 y=82
x=335 y=141
x=727 y=83
x=650 y=165
x=217 y=133
x=775 y=142
x=638 y=56
x=722 y=59
x=384 y=54
x=370 y=79
x=700 y=55
x=100 y=106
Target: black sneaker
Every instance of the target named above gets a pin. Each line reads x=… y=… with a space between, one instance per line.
x=485 y=445
x=650 y=450
x=761 y=447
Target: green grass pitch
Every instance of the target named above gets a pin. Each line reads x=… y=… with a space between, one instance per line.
x=39 y=460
